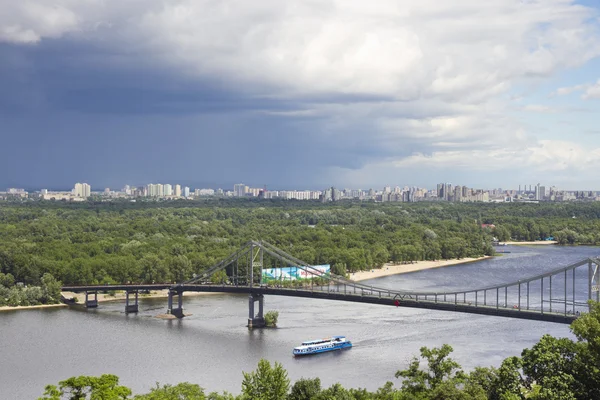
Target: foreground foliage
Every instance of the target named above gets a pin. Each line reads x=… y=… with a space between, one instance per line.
x=553 y=369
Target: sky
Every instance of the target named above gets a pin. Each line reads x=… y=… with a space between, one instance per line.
x=300 y=94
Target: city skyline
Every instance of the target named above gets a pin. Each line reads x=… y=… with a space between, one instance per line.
x=444 y=191
x=300 y=94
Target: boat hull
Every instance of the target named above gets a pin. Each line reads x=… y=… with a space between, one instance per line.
x=341 y=346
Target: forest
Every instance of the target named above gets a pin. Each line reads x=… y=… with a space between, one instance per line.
x=169 y=241
x=553 y=369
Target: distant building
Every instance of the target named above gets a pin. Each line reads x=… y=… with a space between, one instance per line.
x=240 y=190
x=82 y=190
x=177 y=190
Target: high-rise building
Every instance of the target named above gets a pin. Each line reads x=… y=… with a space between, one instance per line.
x=82 y=190
x=155 y=190
x=167 y=190
x=240 y=190
x=186 y=192
x=177 y=190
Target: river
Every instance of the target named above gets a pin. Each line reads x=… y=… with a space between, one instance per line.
x=212 y=346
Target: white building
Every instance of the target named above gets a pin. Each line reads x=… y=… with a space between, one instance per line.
x=82 y=190
x=155 y=190
x=186 y=192
x=177 y=190
x=167 y=190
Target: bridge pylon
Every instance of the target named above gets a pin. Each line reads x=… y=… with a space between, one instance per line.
x=175 y=311
x=91 y=303
x=131 y=308
x=255 y=320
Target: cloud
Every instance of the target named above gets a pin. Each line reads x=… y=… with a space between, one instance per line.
x=547 y=155
x=590 y=90
x=361 y=81
x=539 y=108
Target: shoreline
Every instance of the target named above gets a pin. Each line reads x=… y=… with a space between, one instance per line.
x=120 y=296
x=388 y=269
x=537 y=242
x=102 y=298
x=397 y=269
x=11 y=308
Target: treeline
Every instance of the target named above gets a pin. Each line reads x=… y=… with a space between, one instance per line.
x=117 y=242
x=553 y=369
x=106 y=245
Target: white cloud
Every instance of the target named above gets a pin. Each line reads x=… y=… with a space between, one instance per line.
x=592 y=91
x=547 y=155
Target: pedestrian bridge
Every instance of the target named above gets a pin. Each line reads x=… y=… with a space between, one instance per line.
x=556 y=296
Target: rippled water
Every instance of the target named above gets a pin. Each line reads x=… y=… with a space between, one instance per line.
x=212 y=347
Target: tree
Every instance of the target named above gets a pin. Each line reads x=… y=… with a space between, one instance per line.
x=105 y=387
x=305 y=389
x=181 y=391
x=501 y=233
x=552 y=364
x=439 y=369
x=266 y=383
x=7 y=280
x=50 y=289
x=587 y=331
x=153 y=269
x=180 y=268
x=271 y=318
x=219 y=277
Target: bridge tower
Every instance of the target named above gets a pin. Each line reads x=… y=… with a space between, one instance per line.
x=256 y=260
x=594 y=282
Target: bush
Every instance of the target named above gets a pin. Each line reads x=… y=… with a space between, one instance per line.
x=271 y=318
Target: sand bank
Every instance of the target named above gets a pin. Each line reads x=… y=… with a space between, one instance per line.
x=530 y=243
x=393 y=269
x=120 y=296
x=9 y=308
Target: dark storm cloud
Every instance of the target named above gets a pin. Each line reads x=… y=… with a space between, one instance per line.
x=70 y=77
x=75 y=112
x=65 y=119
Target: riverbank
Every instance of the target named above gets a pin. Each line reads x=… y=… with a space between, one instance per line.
x=395 y=269
x=10 y=308
x=530 y=243
x=120 y=296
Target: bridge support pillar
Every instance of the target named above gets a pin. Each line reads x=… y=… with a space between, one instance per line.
x=255 y=320
x=131 y=308
x=89 y=303
x=175 y=311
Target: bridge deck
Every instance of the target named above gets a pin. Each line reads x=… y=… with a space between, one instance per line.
x=333 y=294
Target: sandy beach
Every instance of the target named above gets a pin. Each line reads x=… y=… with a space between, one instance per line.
x=9 y=308
x=103 y=298
x=394 y=269
x=120 y=296
x=531 y=243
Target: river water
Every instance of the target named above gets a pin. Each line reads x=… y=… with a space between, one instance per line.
x=212 y=346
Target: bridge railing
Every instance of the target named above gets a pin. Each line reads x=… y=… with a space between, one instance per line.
x=536 y=294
